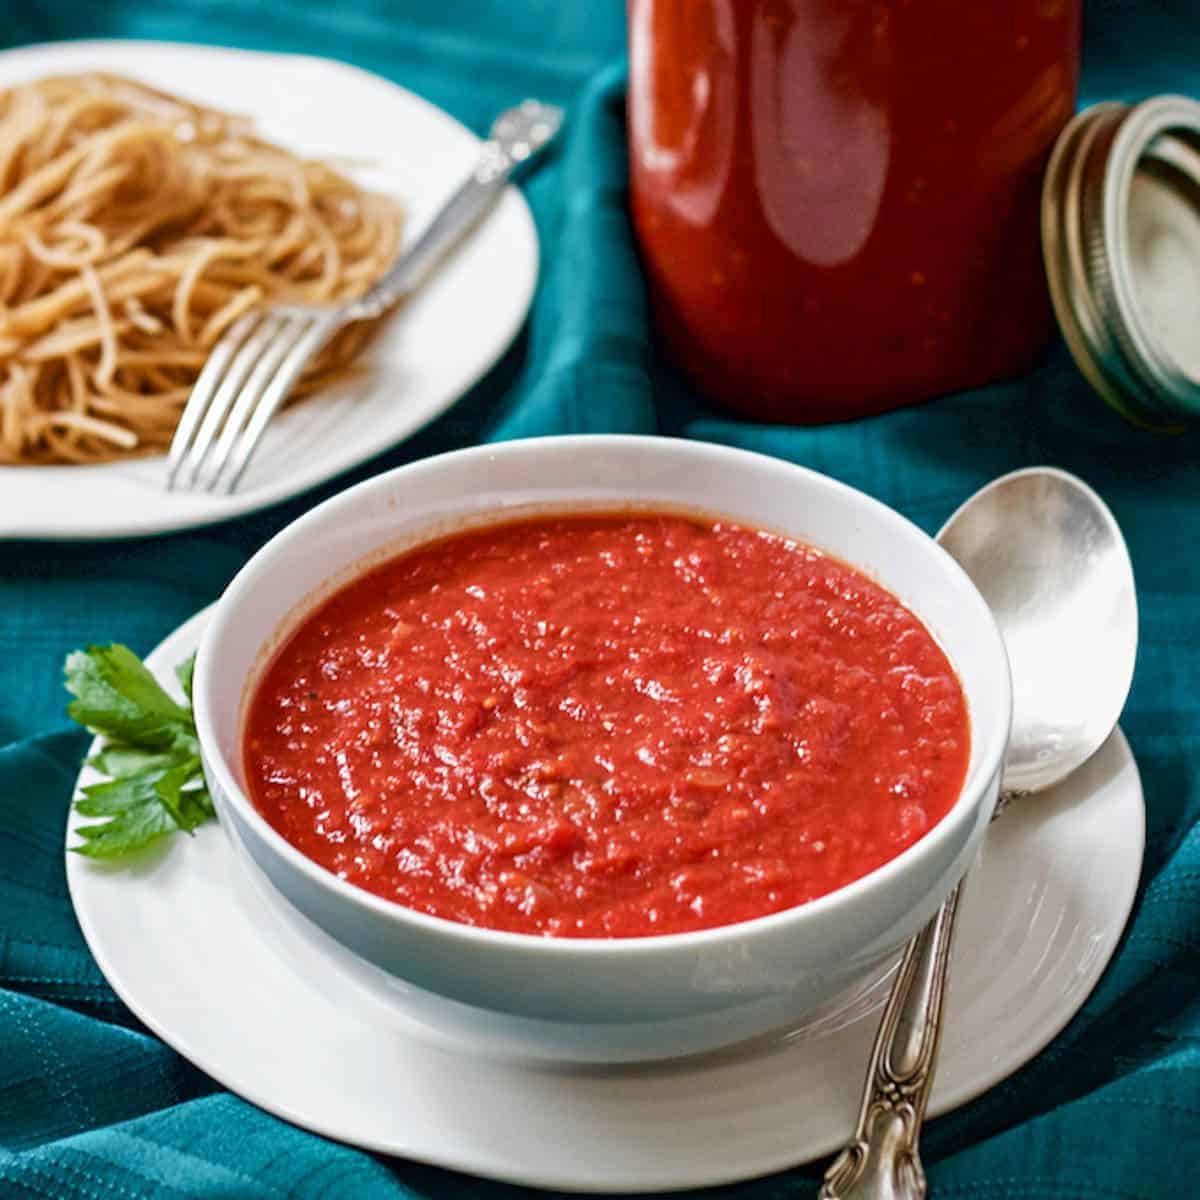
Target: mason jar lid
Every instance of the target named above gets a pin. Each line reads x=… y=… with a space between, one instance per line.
x=1121 y=242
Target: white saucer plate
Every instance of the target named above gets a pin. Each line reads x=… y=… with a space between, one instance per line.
x=429 y=352
x=186 y=945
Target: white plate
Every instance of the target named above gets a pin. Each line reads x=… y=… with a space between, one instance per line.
x=428 y=354
x=183 y=942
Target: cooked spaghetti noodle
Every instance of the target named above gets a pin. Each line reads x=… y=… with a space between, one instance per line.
x=135 y=228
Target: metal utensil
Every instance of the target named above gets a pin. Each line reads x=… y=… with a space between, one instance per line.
x=1048 y=557
x=253 y=367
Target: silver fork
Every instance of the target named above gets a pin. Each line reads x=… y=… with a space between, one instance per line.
x=253 y=367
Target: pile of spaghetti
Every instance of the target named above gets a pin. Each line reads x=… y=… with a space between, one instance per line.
x=135 y=227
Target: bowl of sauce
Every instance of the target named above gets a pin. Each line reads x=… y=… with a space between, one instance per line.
x=603 y=748
x=624 y=724
x=837 y=201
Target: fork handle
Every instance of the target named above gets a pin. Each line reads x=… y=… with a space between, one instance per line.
x=501 y=153
x=472 y=199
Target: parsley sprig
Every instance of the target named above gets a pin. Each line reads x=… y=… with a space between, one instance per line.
x=151 y=754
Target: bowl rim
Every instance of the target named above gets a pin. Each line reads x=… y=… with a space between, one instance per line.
x=986 y=769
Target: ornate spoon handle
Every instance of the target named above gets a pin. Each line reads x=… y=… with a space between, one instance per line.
x=883 y=1161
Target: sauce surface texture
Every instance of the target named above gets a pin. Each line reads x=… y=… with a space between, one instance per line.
x=607 y=726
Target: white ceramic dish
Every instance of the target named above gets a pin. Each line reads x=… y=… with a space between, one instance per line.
x=442 y=342
x=184 y=943
x=619 y=999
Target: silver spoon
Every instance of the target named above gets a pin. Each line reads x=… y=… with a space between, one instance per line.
x=1047 y=556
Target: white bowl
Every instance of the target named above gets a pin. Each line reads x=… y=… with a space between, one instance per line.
x=615 y=999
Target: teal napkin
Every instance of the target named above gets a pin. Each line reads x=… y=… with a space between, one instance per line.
x=92 y=1106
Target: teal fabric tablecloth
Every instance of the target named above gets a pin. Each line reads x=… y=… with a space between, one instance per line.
x=92 y=1107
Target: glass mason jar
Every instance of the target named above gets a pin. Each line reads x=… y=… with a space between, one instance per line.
x=837 y=201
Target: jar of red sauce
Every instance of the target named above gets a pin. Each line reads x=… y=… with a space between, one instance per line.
x=838 y=200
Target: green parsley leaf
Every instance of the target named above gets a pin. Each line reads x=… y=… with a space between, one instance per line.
x=184 y=672
x=155 y=784
x=136 y=817
x=112 y=797
x=188 y=806
x=116 y=696
x=138 y=826
x=120 y=761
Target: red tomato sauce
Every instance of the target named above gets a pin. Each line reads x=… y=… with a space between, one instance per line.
x=837 y=201
x=607 y=726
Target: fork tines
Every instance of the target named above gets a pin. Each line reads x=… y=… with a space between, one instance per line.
x=246 y=378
